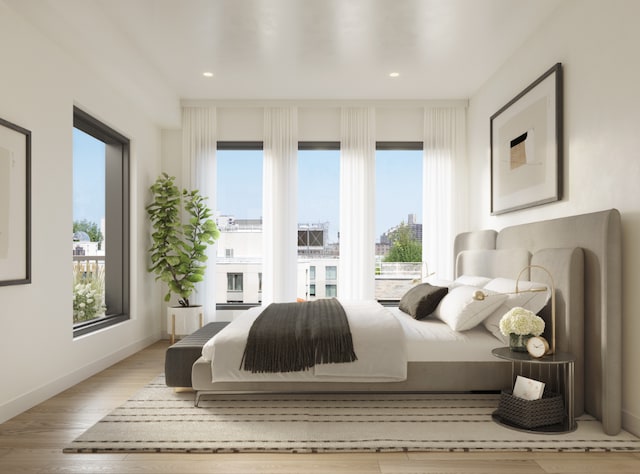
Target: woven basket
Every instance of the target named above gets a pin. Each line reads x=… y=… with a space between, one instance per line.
x=545 y=411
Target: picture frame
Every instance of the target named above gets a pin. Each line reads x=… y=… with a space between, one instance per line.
x=526 y=146
x=15 y=204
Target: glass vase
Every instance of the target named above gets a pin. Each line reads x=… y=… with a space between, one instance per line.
x=518 y=342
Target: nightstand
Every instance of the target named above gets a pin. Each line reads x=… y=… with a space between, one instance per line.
x=556 y=371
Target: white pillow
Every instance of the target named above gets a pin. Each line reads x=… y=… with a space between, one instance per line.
x=435 y=281
x=533 y=301
x=462 y=312
x=470 y=280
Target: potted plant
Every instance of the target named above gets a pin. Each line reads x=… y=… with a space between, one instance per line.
x=182 y=231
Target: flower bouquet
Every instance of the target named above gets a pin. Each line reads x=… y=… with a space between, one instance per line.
x=520 y=324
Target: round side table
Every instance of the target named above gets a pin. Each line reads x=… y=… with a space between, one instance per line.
x=556 y=371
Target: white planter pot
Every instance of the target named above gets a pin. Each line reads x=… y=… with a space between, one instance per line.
x=183 y=320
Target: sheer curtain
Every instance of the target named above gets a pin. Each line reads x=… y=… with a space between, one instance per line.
x=444 y=150
x=199 y=172
x=357 y=204
x=280 y=205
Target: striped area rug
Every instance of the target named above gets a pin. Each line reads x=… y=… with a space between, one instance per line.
x=158 y=419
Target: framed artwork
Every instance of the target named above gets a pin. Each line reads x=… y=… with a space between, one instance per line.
x=526 y=146
x=15 y=204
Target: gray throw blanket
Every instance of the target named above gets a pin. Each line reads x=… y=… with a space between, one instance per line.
x=291 y=337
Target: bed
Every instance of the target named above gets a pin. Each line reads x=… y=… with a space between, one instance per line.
x=582 y=254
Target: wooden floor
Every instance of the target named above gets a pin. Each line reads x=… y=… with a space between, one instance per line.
x=32 y=442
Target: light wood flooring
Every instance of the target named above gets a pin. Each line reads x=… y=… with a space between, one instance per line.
x=32 y=442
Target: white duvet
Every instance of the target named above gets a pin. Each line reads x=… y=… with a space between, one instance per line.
x=378 y=341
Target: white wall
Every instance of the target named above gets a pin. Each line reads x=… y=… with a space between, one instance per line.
x=39 y=86
x=597 y=42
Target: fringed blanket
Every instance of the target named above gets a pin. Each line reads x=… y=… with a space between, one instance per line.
x=291 y=337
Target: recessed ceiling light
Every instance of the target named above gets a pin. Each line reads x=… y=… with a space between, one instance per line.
x=207 y=74
x=394 y=74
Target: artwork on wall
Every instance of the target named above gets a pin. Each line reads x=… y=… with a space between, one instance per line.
x=15 y=204
x=526 y=146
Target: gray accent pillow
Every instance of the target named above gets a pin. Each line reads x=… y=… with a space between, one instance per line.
x=422 y=300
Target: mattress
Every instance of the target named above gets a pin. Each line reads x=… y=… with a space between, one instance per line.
x=385 y=339
x=378 y=341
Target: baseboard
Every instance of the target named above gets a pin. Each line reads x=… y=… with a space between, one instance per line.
x=40 y=394
x=631 y=423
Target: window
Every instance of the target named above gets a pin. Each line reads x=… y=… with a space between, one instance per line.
x=331 y=273
x=100 y=247
x=318 y=213
x=331 y=291
x=398 y=218
x=234 y=281
x=239 y=218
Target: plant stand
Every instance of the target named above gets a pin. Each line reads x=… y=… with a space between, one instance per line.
x=181 y=320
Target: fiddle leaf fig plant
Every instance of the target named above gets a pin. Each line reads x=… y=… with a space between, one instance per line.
x=178 y=252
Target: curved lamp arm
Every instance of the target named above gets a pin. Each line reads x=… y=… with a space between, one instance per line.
x=552 y=349
x=481 y=295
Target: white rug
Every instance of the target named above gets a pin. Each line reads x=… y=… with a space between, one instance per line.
x=158 y=419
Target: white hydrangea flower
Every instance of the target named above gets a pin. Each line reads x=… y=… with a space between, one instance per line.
x=522 y=322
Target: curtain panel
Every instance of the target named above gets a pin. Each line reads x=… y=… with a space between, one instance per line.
x=280 y=205
x=357 y=203
x=199 y=144
x=444 y=151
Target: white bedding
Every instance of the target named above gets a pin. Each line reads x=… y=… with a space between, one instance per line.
x=431 y=339
x=378 y=341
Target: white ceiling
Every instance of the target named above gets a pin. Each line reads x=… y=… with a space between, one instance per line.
x=291 y=49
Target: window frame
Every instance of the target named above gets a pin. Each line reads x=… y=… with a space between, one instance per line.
x=313 y=285
x=117 y=204
x=232 y=145
x=313 y=145
x=399 y=146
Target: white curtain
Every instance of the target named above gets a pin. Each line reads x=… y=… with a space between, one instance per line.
x=199 y=172
x=444 y=150
x=357 y=204
x=280 y=205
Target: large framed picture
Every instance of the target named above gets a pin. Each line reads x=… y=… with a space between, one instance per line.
x=15 y=204
x=526 y=146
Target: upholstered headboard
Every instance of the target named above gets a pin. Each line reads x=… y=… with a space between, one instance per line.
x=583 y=253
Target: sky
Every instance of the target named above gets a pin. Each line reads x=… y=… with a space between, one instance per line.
x=239 y=186
x=88 y=177
x=398 y=187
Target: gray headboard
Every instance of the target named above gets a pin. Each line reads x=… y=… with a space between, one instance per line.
x=589 y=307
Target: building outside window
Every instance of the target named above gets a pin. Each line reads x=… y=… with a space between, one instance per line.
x=100 y=246
x=331 y=291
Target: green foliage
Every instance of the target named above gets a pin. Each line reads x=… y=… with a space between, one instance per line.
x=404 y=247
x=178 y=251
x=91 y=228
x=88 y=291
